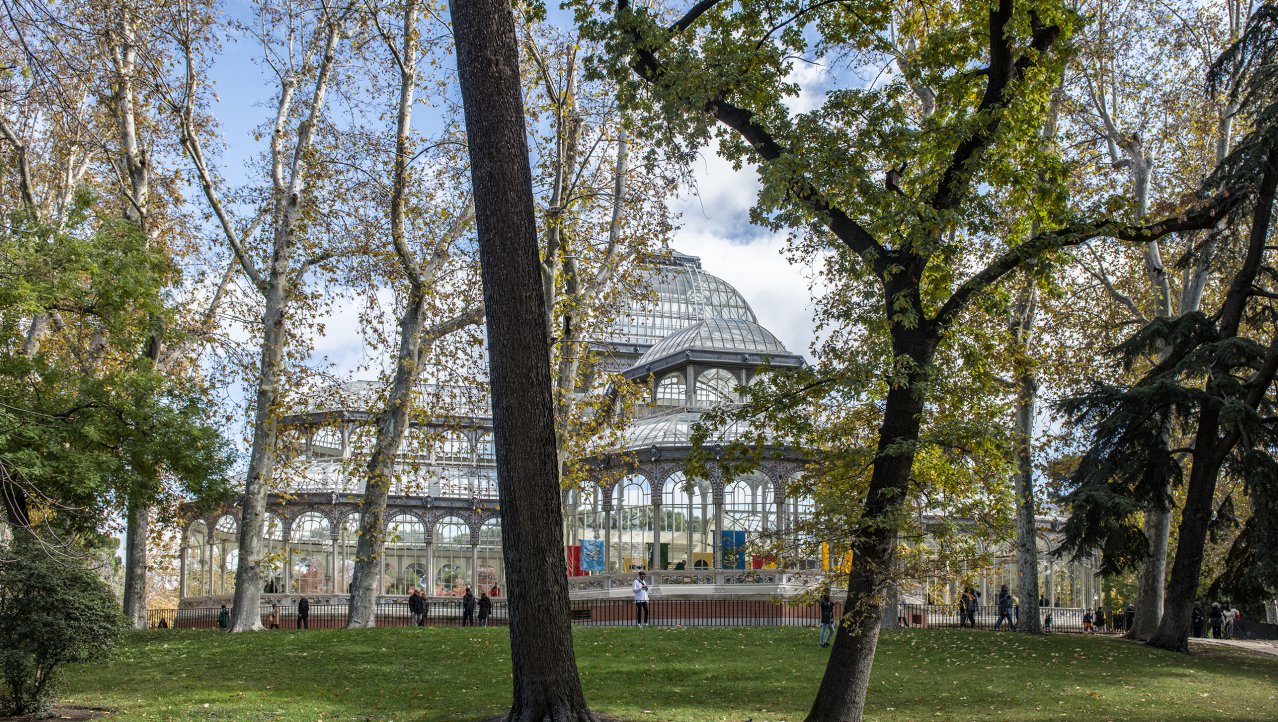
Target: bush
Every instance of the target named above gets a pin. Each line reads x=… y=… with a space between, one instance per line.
x=53 y=610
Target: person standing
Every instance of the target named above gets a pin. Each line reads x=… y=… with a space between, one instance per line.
x=1087 y=620
x=1129 y=618
x=273 y=617
x=640 y=589
x=1004 y=609
x=468 y=608
x=303 y=613
x=973 y=604
x=416 y=607
x=485 y=608
x=223 y=618
x=1216 y=618
x=1227 y=626
x=827 y=619
x=1198 y=619
x=1100 y=619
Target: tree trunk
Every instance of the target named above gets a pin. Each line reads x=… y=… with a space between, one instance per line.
x=1026 y=528
x=135 y=563
x=544 y=668
x=245 y=615
x=391 y=424
x=841 y=697
x=1151 y=581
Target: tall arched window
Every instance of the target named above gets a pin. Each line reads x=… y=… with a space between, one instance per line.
x=406 y=550
x=632 y=518
x=312 y=543
x=197 y=560
x=452 y=556
x=671 y=391
x=274 y=553
x=716 y=386
x=226 y=539
x=491 y=570
x=347 y=548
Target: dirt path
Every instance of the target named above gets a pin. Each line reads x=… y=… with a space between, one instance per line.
x=1260 y=646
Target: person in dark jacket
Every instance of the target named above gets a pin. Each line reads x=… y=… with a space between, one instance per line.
x=303 y=613
x=1198 y=619
x=1217 y=620
x=1100 y=619
x=1129 y=618
x=827 y=619
x=1005 y=605
x=485 y=608
x=416 y=607
x=468 y=608
x=223 y=618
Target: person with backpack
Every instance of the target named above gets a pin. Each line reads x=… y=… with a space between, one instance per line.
x=1216 y=618
x=1004 y=610
x=485 y=608
x=827 y=619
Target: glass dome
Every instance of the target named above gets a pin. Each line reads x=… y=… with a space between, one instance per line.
x=718 y=334
x=685 y=294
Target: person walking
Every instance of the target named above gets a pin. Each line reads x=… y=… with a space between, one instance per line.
x=640 y=588
x=1227 y=621
x=303 y=613
x=416 y=607
x=1100 y=619
x=273 y=617
x=224 y=618
x=1198 y=619
x=485 y=608
x=468 y=608
x=1004 y=609
x=827 y=619
x=1216 y=618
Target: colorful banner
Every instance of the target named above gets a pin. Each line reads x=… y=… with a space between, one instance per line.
x=732 y=544
x=592 y=555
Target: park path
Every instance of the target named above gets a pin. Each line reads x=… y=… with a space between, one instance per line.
x=1261 y=646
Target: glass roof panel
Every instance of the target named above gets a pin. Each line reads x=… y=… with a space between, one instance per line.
x=718 y=334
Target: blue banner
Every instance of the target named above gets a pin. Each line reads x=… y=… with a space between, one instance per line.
x=732 y=544
x=592 y=555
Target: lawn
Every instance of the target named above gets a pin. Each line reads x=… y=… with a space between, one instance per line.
x=675 y=675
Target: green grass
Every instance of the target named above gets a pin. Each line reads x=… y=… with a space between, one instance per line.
x=676 y=675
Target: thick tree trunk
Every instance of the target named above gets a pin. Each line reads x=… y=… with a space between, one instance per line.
x=135 y=536
x=841 y=697
x=546 y=683
x=391 y=424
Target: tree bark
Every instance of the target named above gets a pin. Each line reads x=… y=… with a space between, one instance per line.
x=135 y=561
x=544 y=668
x=1026 y=528
x=841 y=697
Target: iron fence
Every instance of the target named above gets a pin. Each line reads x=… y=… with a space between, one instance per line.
x=622 y=612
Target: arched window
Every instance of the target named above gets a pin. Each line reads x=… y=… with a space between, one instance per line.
x=671 y=391
x=486 y=450
x=676 y=529
x=226 y=553
x=454 y=448
x=491 y=570
x=716 y=386
x=452 y=556
x=312 y=543
x=273 y=554
x=347 y=548
x=197 y=560
x=632 y=515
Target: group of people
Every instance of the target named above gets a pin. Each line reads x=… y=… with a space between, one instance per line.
x=273 y=616
x=1221 y=618
x=419 y=607
x=1121 y=620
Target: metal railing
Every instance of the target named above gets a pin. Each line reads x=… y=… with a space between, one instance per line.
x=726 y=612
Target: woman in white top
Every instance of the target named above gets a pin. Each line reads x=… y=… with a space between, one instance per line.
x=640 y=588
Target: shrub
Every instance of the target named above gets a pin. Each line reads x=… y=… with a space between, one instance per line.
x=53 y=610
